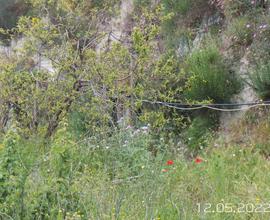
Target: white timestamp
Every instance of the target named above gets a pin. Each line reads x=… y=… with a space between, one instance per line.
x=234 y=208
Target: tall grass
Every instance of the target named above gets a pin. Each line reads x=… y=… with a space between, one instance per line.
x=119 y=178
x=260 y=80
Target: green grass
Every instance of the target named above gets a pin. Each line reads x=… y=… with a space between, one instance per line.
x=241 y=31
x=119 y=178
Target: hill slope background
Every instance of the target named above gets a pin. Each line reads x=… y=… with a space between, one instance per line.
x=89 y=92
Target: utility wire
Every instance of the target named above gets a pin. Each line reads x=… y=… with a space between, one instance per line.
x=218 y=104
x=192 y=107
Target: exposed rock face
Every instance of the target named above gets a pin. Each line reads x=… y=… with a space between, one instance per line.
x=119 y=28
x=14 y=49
x=207 y=22
x=5 y=50
x=120 y=25
x=46 y=64
x=185 y=47
x=229 y=119
x=247 y=94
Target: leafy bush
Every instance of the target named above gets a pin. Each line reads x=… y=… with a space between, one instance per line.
x=198 y=133
x=17 y=158
x=260 y=80
x=209 y=77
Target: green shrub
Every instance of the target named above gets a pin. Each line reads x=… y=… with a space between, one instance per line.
x=199 y=133
x=209 y=77
x=17 y=159
x=260 y=80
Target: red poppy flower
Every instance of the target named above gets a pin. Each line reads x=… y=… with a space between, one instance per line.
x=198 y=160
x=170 y=162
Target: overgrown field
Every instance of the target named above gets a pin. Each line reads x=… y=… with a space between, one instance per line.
x=121 y=178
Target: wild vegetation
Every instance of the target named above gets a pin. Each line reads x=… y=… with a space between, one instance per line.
x=90 y=121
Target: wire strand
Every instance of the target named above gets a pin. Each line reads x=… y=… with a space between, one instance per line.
x=181 y=106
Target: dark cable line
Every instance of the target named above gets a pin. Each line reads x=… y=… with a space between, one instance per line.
x=191 y=107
